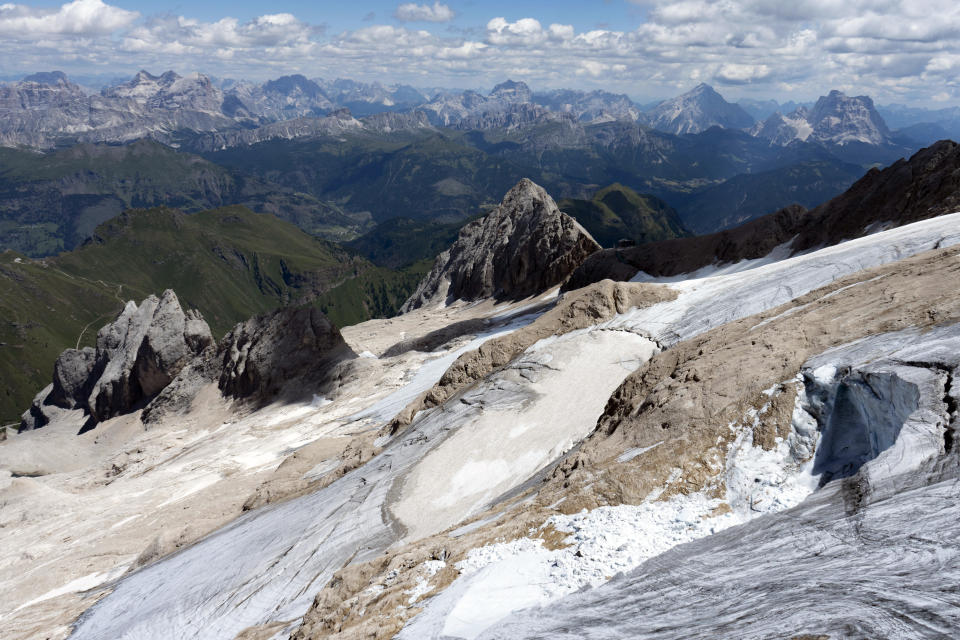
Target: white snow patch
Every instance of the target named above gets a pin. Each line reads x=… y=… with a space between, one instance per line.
x=716 y=295
x=630 y=454
x=423 y=586
x=551 y=398
x=84 y=583
x=200 y=483
x=117 y=525
x=430 y=373
x=319 y=401
x=321 y=469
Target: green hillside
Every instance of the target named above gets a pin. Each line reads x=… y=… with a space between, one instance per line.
x=752 y=195
x=617 y=212
x=400 y=242
x=229 y=263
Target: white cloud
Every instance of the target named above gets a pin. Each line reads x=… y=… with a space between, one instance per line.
x=800 y=49
x=412 y=12
x=78 y=18
x=742 y=73
x=523 y=32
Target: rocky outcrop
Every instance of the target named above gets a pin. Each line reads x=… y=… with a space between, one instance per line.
x=523 y=247
x=840 y=119
x=925 y=186
x=262 y=357
x=156 y=357
x=136 y=356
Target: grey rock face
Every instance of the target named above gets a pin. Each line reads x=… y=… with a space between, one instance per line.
x=839 y=119
x=523 y=247
x=595 y=106
x=696 y=111
x=141 y=352
x=835 y=119
x=71 y=377
x=263 y=356
x=137 y=355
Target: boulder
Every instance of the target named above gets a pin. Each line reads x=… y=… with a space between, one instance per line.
x=72 y=377
x=290 y=351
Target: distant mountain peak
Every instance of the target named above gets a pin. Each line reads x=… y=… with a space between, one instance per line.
x=288 y=85
x=512 y=91
x=698 y=110
x=839 y=119
x=48 y=77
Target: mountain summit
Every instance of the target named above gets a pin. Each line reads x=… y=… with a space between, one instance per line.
x=835 y=119
x=523 y=247
x=696 y=111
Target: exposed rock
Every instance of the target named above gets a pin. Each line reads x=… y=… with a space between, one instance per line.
x=137 y=355
x=262 y=356
x=178 y=396
x=39 y=414
x=71 y=377
x=142 y=351
x=925 y=186
x=521 y=248
x=840 y=119
x=595 y=106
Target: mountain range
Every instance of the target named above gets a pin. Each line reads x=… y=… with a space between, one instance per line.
x=337 y=157
x=46 y=109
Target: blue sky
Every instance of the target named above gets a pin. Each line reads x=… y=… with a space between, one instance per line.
x=893 y=50
x=584 y=15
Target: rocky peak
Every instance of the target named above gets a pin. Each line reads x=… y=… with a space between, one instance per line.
x=48 y=77
x=523 y=247
x=782 y=129
x=511 y=91
x=144 y=76
x=293 y=85
x=285 y=351
x=696 y=111
x=839 y=119
x=169 y=77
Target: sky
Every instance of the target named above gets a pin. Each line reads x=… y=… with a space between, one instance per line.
x=894 y=51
